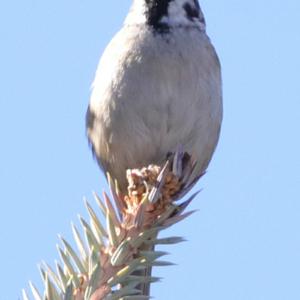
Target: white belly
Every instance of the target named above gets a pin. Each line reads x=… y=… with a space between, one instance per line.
x=152 y=95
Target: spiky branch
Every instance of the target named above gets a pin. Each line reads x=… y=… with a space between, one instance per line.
x=115 y=260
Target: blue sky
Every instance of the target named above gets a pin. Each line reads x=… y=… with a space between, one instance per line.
x=244 y=242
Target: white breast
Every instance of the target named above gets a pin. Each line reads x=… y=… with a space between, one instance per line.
x=152 y=93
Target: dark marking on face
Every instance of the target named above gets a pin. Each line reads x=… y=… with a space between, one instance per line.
x=194 y=12
x=191 y=12
x=156 y=10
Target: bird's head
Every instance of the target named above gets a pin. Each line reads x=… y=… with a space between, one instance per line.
x=162 y=15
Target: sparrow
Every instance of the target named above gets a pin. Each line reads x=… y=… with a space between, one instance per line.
x=157 y=87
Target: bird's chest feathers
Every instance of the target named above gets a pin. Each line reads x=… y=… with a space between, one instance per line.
x=161 y=71
x=156 y=83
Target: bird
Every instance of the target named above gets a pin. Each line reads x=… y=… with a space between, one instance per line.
x=158 y=86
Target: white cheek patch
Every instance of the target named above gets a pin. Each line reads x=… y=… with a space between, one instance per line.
x=176 y=13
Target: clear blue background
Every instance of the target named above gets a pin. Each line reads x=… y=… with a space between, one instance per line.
x=244 y=243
